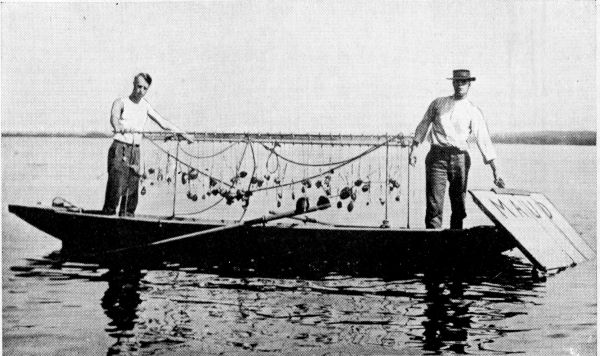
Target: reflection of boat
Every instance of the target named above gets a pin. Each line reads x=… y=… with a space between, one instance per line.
x=88 y=235
x=458 y=308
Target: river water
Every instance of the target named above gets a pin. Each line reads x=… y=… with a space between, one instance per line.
x=496 y=308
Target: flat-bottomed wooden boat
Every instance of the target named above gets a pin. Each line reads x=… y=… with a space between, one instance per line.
x=89 y=236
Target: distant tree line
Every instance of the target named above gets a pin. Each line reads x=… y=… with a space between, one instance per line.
x=91 y=134
x=586 y=138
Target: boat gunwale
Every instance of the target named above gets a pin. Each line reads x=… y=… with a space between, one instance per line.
x=193 y=221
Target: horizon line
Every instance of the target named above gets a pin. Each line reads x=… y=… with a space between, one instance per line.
x=42 y=132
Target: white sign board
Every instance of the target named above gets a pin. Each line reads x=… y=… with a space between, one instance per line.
x=542 y=233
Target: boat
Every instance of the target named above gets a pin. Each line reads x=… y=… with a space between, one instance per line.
x=523 y=220
x=89 y=236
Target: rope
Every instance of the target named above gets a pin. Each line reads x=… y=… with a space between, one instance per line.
x=222 y=198
x=370 y=150
x=253 y=163
x=272 y=152
x=199 y=172
x=169 y=154
x=336 y=165
x=239 y=165
x=209 y=156
x=245 y=207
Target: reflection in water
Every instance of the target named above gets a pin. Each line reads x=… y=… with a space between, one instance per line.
x=463 y=308
x=137 y=322
x=457 y=309
x=446 y=316
x=120 y=303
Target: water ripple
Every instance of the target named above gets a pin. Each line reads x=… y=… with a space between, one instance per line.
x=427 y=312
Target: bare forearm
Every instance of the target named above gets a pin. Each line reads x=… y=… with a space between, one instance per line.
x=494 y=168
x=498 y=181
x=161 y=121
x=168 y=126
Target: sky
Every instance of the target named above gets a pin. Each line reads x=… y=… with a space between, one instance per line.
x=298 y=66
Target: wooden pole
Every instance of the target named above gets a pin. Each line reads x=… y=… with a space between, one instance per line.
x=261 y=220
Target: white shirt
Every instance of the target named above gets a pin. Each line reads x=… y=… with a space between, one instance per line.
x=133 y=118
x=452 y=123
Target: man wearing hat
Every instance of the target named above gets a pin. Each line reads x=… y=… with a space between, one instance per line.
x=453 y=119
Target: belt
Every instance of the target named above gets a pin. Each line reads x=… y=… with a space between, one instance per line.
x=127 y=143
x=449 y=150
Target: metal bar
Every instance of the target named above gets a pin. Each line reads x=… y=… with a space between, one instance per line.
x=175 y=178
x=307 y=139
x=408 y=190
x=386 y=222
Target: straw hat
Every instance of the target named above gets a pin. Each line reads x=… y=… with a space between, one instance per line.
x=462 y=74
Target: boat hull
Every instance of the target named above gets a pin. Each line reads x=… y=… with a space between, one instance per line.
x=88 y=236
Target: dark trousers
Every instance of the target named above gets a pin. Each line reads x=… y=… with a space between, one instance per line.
x=446 y=165
x=123 y=179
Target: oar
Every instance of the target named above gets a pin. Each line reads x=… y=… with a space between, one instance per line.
x=325 y=204
x=306 y=219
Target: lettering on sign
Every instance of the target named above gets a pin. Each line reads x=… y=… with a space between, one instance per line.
x=520 y=207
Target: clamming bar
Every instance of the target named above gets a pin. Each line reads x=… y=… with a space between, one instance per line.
x=288 y=138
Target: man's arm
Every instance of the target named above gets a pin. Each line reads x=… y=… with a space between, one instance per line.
x=115 y=116
x=421 y=131
x=482 y=136
x=167 y=125
x=484 y=143
x=423 y=127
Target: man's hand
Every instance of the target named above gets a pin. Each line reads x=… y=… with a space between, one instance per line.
x=412 y=158
x=499 y=182
x=183 y=136
x=188 y=138
x=121 y=129
x=180 y=137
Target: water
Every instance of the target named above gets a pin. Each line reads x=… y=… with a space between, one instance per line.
x=497 y=308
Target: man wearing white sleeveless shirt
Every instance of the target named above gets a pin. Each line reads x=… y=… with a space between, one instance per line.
x=128 y=117
x=453 y=119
